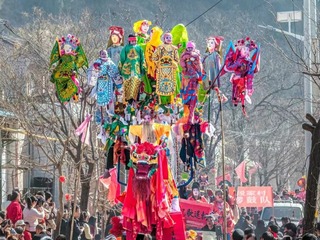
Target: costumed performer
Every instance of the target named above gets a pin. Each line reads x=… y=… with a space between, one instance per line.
x=166 y=59
x=243 y=60
x=67 y=57
x=132 y=66
x=149 y=194
x=108 y=80
x=211 y=65
x=195 y=196
x=115 y=43
x=191 y=64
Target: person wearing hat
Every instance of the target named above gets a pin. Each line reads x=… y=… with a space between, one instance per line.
x=196 y=194
x=237 y=234
x=210 y=226
x=21 y=224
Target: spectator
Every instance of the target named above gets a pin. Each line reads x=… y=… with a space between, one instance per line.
x=260 y=229
x=237 y=234
x=318 y=230
x=267 y=236
x=86 y=235
x=210 y=226
x=284 y=221
x=309 y=236
x=248 y=223
x=14 y=210
x=77 y=230
x=61 y=237
x=51 y=213
x=40 y=232
x=251 y=236
x=64 y=223
x=286 y=195
x=248 y=231
x=2 y=216
x=274 y=229
x=31 y=214
x=26 y=234
x=290 y=229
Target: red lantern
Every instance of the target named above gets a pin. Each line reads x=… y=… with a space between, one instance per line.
x=68 y=197
x=62 y=179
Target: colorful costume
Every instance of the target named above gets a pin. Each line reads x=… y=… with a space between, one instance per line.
x=108 y=75
x=191 y=64
x=211 y=64
x=68 y=56
x=166 y=59
x=180 y=37
x=117 y=137
x=151 y=46
x=192 y=147
x=115 y=43
x=148 y=198
x=132 y=67
x=243 y=61
x=141 y=28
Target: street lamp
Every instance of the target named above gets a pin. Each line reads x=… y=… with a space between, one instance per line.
x=309 y=33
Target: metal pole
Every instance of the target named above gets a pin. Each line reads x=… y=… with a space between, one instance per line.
x=223 y=171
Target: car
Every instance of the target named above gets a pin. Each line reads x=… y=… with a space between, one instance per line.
x=283 y=208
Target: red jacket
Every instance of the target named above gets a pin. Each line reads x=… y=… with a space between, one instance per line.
x=14 y=211
x=27 y=235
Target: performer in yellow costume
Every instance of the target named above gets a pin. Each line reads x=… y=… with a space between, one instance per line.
x=166 y=59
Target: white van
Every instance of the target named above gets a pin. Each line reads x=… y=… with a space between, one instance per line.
x=282 y=208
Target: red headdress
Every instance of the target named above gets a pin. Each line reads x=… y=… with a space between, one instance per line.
x=116 y=30
x=247 y=42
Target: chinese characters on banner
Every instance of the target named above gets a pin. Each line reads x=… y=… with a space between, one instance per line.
x=194 y=213
x=255 y=197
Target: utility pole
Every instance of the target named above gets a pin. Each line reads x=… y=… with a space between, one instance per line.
x=310 y=33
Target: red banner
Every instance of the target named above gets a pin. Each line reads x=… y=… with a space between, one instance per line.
x=194 y=213
x=255 y=197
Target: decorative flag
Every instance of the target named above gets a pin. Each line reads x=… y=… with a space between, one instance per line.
x=219 y=179
x=254 y=168
x=83 y=130
x=241 y=171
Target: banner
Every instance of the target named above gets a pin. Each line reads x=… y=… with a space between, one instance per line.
x=255 y=197
x=194 y=213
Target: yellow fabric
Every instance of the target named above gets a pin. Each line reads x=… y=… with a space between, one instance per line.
x=151 y=46
x=137 y=25
x=159 y=130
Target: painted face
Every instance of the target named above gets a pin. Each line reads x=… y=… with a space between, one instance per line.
x=211 y=44
x=168 y=39
x=244 y=51
x=195 y=192
x=115 y=39
x=133 y=41
x=147 y=118
x=67 y=48
x=103 y=54
x=144 y=27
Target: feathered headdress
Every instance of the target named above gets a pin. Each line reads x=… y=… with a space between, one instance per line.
x=247 y=42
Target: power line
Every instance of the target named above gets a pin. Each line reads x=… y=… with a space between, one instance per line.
x=204 y=12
